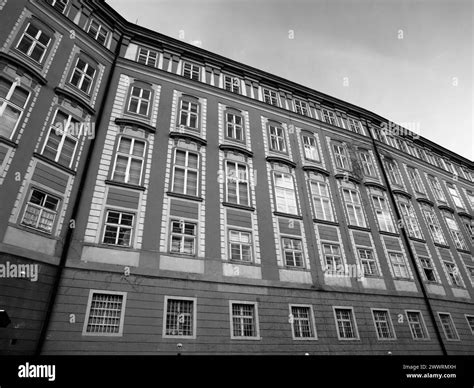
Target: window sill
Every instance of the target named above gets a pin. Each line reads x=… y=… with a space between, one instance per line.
x=389 y=233
x=288 y=215
x=237 y=148
x=53 y=163
x=25 y=63
x=184 y=196
x=280 y=159
x=237 y=206
x=77 y=99
x=463 y=250
x=8 y=142
x=189 y=136
x=325 y=222
x=356 y=227
x=246 y=263
x=417 y=239
x=316 y=169
x=122 y=121
x=441 y=245
x=125 y=185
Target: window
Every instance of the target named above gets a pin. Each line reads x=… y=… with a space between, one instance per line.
x=232 y=84
x=244 y=320
x=415 y=179
x=428 y=269
x=60 y=5
x=302 y=323
x=118 y=228
x=189 y=114
x=185 y=172
x=139 y=102
x=393 y=173
x=237 y=183
x=367 y=261
x=417 y=325
x=355 y=213
x=469 y=224
x=285 y=196
x=60 y=144
x=454 y=229
x=470 y=197
x=383 y=324
x=234 y=127
x=191 y=71
x=340 y=156
x=455 y=195
x=321 y=201
x=98 y=32
x=293 y=252
x=346 y=325
x=270 y=97
x=147 y=57
x=470 y=272
x=301 y=107
x=310 y=148
x=409 y=218
x=240 y=245
x=433 y=224
x=333 y=259
x=448 y=326
x=449 y=166
x=180 y=318
x=40 y=211
x=183 y=237
x=83 y=76
x=453 y=273
x=105 y=313
x=470 y=322
x=399 y=265
x=367 y=164
x=129 y=160
x=329 y=117
x=354 y=125
x=382 y=212
x=277 y=138
x=34 y=43
x=12 y=104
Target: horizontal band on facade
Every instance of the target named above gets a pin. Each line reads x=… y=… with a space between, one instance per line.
x=123 y=121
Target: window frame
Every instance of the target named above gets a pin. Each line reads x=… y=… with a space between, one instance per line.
x=6 y=102
x=83 y=75
x=358 y=214
x=427 y=263
x=321 y=200
x=186 y=168
x=454 y=274
x=279 y=190
x=344 y=163
x=277 y=137
x=329 y=117
x=189 y=113
x=471 y=326
x=256 y=323
x=293 y=250
x=234 y=87
x=301 y=107
x=233 y=124
x=451 y=324
x=368 y=166
x=389 y=323
x=42 y=209
x=237 y=180
x=140 y=100
x=355 y=125
x=313 y=148
x=410 y=220
x=456 y=234
x=34 y=41
x=372 y=259
x=100 y=27
x=129 y=158
x=119 y=227
x=415 y=179
x=311 y=324
x=384 y=213
x=353 y=320
x=421 y=322
x=230 y=242
x=193 y=319
x=147 y=56
x=192 y=70
x=401 y=264
x=269 y=96
x=182 y=235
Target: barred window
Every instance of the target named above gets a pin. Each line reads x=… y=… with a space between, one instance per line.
x=118 y=228
x=383 y=324
x=189 y=114
x=183 y=237
x=417 y=325
x=270 y=97
x=277 y=139
x=383 y=213
x=83 y=75
x=301 y=107
x=321 y=200
x=180 y=318
x=448 y=326
x=13 y=100
x=185 y=172
x=234 y=127
x=333 y=259
x=105 y=314
x=147 y=57
x=329 y=117
x=367 y=261
x=293 y=252
x=34 y=43
x=232 y=84
x=399 y=265
x=40 y=211
x=140 y=100
x=355 y=213
x=345 y=321
x=191 y=71
x=244 y=320
x=302 y=322
x=129 y=160
x=310 y=148
x=98 y=32
x=240 y=245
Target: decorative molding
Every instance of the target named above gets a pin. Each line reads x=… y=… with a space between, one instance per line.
x=279 y=159
x=78 y=100
x=232 y=147
x=134 y=123
x=189 y=136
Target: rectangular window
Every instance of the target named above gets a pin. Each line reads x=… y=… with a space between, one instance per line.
x=13 y=100
x=180 y=318
x=417 y=325
x=118 y=228
x=470 y=322
x=346 y=325
x=129 y=160
x=415 y=179
x=244 y=320
x=34 y=43
x=270 y=97
x=454 y=195
x=61 y=145
x=409 y=218
x=367 y=261
x=449 y=166
x=329 y=117
x=105 y=313
x=453 y=273
x=293 y=252
x=355 y=213
x=310 y=148
x=285 y=196
x=383 y=213
x=321 y=201
x=340 y=156
x=437 y=190
x=60 y=5
x=98 y=32
x=428 y=269
x=191 y=71
x=237 y=183
x=189 y=114
x=302 y=323
x=234 y=127
x=240 y=245
x=393 y=173
x=454 y=230
x=448 y=326
x=83 y=76
x=147 y=57
x=399 y=265
x=367 y=164
x=185 y=172
x=333 y=259
x=183 y=237
x=433 y=224
x=301 y=107
x=383 y=325
x=139 y=102
x=354 y=125
x=40 y=211
x=232 y=84
x=277 y=139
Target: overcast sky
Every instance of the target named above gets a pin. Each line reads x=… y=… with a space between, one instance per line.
x=410 y=61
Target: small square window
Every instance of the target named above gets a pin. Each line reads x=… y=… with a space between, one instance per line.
x=191 y=71
x=118 y=228
x=232 y=84
x=270 y=97
x=183 y=236
x=40 y=211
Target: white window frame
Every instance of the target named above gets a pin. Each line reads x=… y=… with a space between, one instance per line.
x=256 y=324
x=231 y=122
x=335 y=256
x=4 y=102
x=100 y=28
x=63 y=2
x=471 y=326
x=399 y=264
x=415 y=179
x=389 y=323
x=329 y=117
x=182 y=235
x=310 y=149
x=455 y=197
x=301 y=107
x=278 y=135
x=193 y=71
x=368 y=166
x=186 y=168
x=356 y=206
x=409 y=217
x=312 y=324
x=453 y=273
x=240 y=243
x=35 y=42
x=426 y=263
x=394 y=173
x=293 y=250
x=129 y=158
x=189 y=114
x=322 y=199
x=438 y=192
x=372 y=260
x=340 y=156
x=270 y=97
x=454 y=230
x=83 y=75
x=382 y=213
x=433 y=224
x=422 y=324
x=285 y=194
x=353 y=323
x=237 y=179
x=42 y=209
x=140 y=100
x=231 y=83
x=355 y=125
x=147 y=56
x=451 y=324
x=119 y=227
x=194 y=317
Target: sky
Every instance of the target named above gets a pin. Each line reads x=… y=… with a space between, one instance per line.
x=409 y=61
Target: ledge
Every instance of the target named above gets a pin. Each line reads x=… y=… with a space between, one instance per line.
x=189 y=136
x=8 y=142
x=463 y=250
x=348 y=176
x=295 y=216
x=78 y=100
x=446 y=207
x=232 y=147
x=125 y=185
x=316 y=169
x=134 y=123
x=362 y=228
x=25 y=66
x=279 y=159
x=425 y=200
x=237 y=206
x=325 y=222
x=402 y=192
x=392 y=234
x=441 y=245
x=184 y=196
x=53 y=163
x=464 y=214
x=420 y=240
x=375 y=184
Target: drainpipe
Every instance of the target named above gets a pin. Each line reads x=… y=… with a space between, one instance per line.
x=75 y=209
x=408 y=246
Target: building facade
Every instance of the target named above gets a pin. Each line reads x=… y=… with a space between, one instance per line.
x=172 y=200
